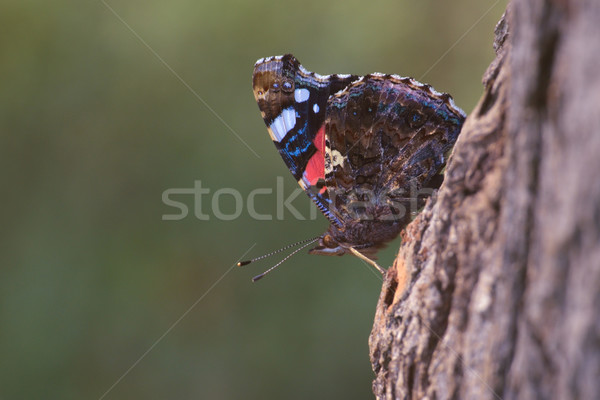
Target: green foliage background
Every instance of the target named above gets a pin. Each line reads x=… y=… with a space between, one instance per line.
x=95 y=126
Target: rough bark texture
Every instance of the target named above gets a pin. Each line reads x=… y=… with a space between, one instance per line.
x=495 y=290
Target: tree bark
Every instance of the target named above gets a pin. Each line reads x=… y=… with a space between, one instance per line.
x=495 y=290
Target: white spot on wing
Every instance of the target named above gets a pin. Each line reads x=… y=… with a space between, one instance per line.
x=304 y=70
x=284 y=123
x=301 y=95
x=333 y=158
x=316 y=79
x=328 y=167
x=316 y=108
x=435 y=92
x=289 y=116
x=277 y=129
x=267 y=59
x=416 y=83
x=458 y=109
x=336 y=158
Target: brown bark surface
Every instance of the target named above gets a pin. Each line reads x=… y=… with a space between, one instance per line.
x=495 y=290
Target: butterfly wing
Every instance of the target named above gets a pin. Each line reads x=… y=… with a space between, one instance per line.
x=386 y=139
x=293 y=104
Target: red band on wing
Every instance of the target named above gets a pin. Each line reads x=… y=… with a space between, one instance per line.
x=315 y=169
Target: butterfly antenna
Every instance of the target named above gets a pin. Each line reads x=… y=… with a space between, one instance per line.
x=311 y=240
x=257 y=277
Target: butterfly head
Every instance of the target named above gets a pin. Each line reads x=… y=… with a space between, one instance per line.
x=328 y=246
x=333 y=243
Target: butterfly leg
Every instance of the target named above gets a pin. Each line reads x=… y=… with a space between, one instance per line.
x=367 y=259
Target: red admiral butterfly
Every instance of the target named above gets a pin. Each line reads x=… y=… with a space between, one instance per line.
x=363 y=148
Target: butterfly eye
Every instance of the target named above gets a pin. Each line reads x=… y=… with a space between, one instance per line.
x=329 y=241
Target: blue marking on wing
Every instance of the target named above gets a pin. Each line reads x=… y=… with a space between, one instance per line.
x=296 y=148
x=297 y=145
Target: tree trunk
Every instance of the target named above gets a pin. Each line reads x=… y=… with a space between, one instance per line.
x=495 y=290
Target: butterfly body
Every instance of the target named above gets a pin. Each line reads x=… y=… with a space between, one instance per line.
x=367 y=150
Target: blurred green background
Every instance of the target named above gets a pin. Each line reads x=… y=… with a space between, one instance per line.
x=94 y=127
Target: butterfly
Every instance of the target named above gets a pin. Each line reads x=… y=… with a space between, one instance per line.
x=367 y=150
